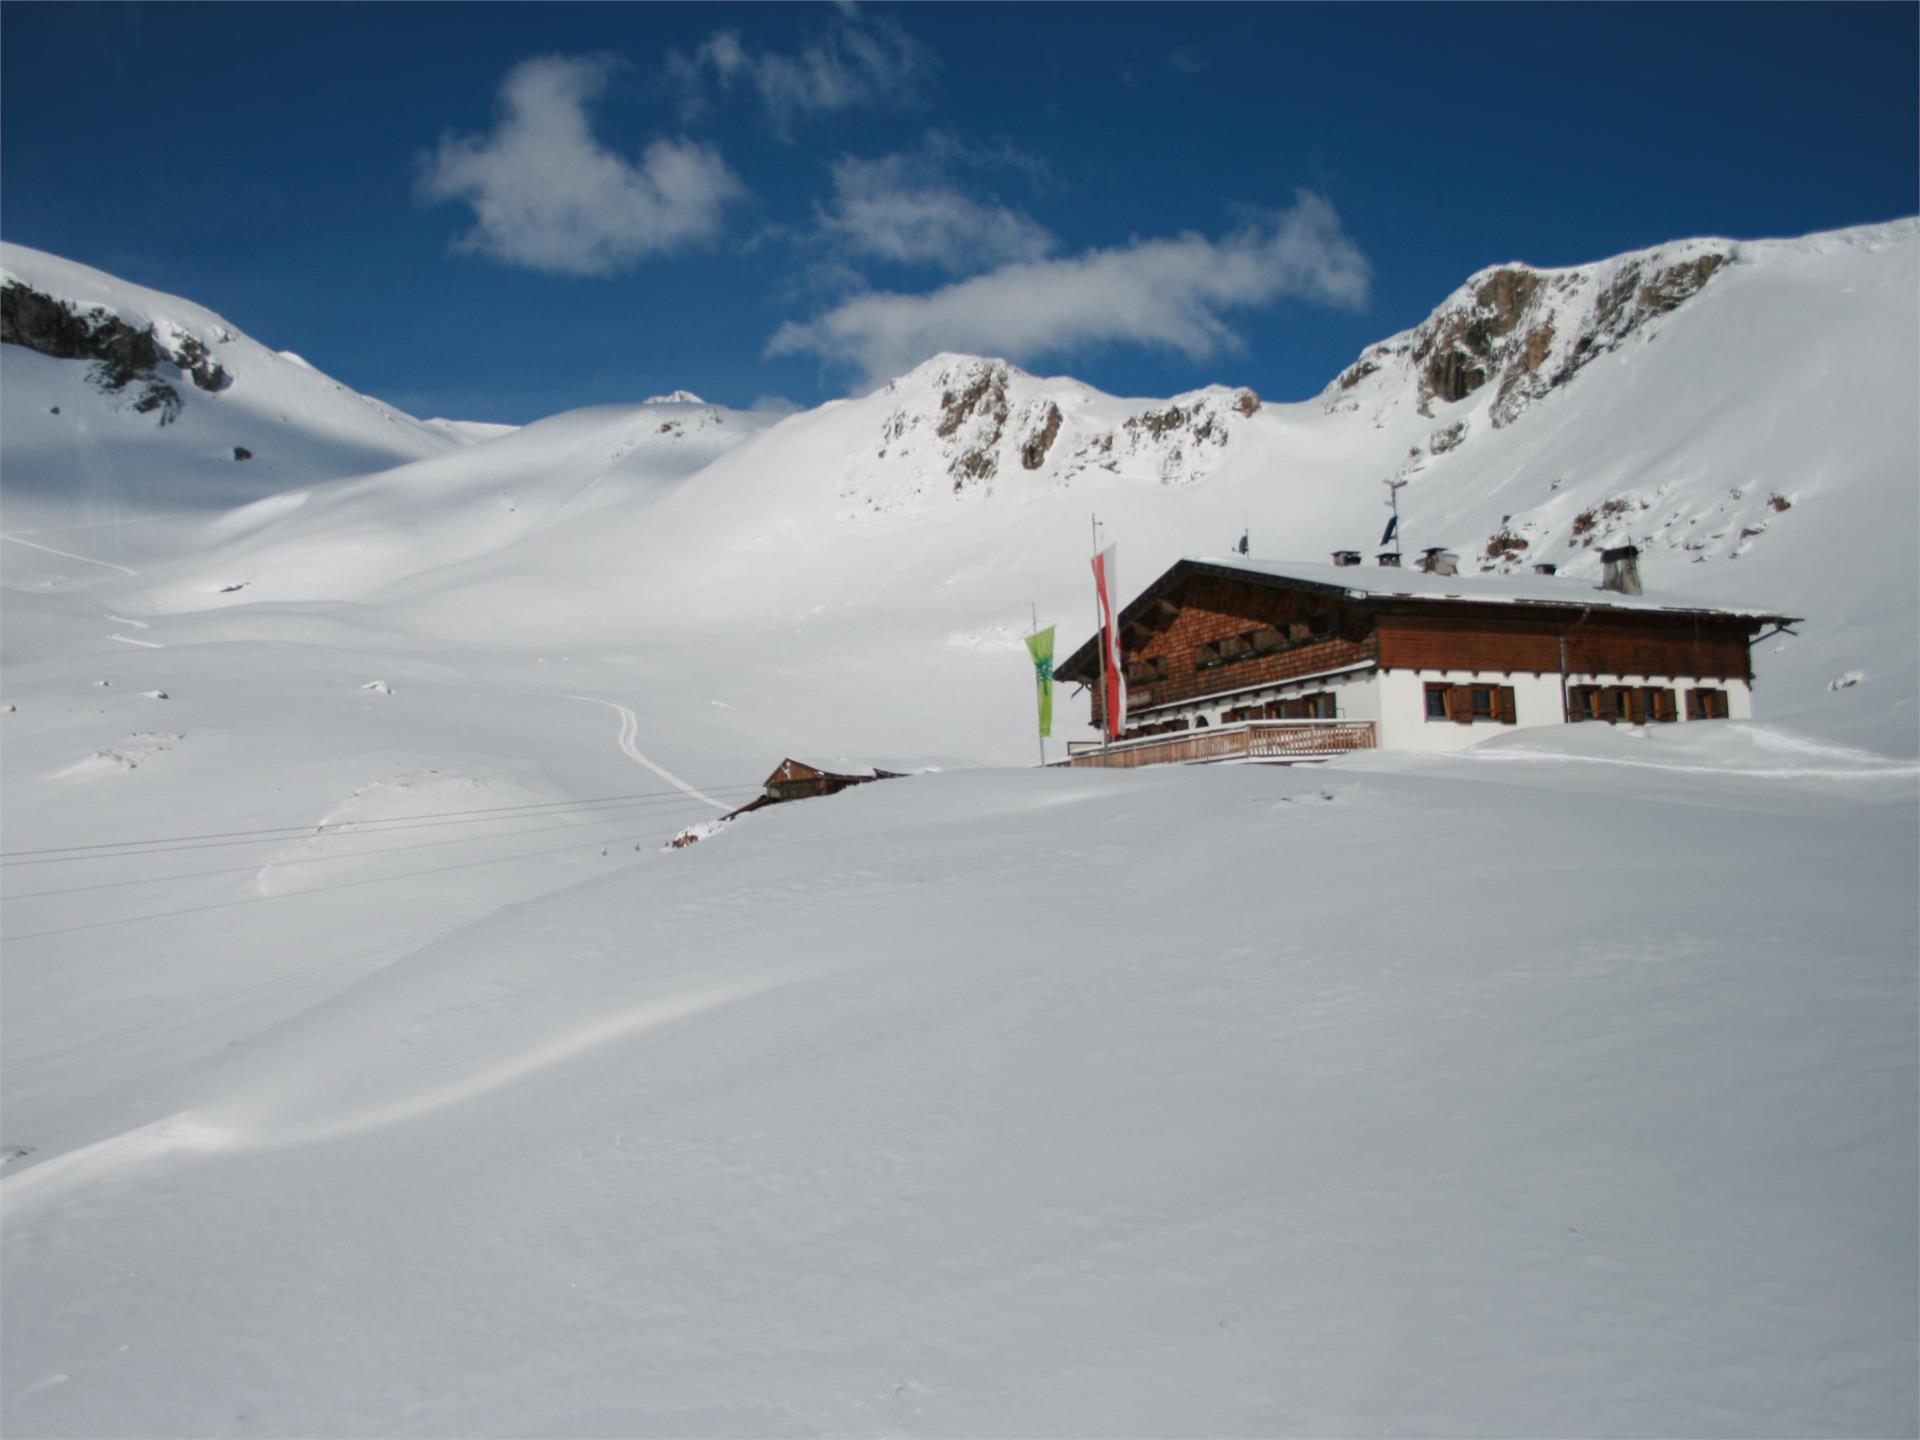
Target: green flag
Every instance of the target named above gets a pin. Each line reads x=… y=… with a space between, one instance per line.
x=1040 y=646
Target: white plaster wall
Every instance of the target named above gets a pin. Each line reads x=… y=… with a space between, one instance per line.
x=1538 y=700
x=1396 y=702
x=1403 y=703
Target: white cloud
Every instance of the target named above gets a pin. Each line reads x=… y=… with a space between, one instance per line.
x=1174 y=293
x=898 y=209
x=856 y=62
x=547 y=195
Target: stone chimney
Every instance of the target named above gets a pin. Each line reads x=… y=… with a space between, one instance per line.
x=1437 y=561
x=1343 y=558
x=1545 y=567
x=1622 y=573
x=1389 y=558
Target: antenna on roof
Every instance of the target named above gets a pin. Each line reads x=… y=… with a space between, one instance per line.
x=1391 y=535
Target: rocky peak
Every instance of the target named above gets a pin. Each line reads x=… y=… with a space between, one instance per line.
x=981 y=420
x=1527 y=332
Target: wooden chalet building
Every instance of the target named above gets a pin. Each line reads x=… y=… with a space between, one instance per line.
x=1253 y=660
x=805 y=779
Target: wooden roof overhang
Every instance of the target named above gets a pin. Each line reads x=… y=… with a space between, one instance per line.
x=1152 y=610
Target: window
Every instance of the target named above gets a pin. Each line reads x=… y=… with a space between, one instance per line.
x=1317 y=706
x=1266 y=641
x=1205 y=657
x=1464 y=704
x=1706 y=704
x=1635 y=704
x=1145 y=672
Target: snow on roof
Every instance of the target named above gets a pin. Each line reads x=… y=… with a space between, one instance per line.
x=1387 y=582
x=851 y=769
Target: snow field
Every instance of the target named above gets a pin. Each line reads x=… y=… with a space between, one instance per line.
x=1565 y=1086
x=1196 y=1102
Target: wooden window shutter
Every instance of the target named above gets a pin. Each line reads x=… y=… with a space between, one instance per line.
x=1503 y=705
x=1460 y=704
x=1663 y=704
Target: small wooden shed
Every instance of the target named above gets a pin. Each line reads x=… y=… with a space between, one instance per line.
x=802 y=779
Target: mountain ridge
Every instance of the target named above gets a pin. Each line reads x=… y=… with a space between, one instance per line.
x=1731 y=402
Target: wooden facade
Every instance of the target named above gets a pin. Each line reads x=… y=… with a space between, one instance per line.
x=1215 y=635
x=1491 y=638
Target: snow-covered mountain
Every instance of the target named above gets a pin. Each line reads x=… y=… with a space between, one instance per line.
x=1739 y=410
x=124 y=407
x=368 y=1066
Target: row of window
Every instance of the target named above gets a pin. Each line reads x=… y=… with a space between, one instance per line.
x=1464 y=704
x=1317 y=706
x=1642 y=704
x=1265 y=641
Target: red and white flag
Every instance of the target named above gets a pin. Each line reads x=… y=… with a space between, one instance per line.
x=1107 y=583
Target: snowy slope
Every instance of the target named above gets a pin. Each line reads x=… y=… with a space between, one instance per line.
x=81 y=457
x=970 y=1131
x=1754 y=437
x=352 y=538
x=398 y=1083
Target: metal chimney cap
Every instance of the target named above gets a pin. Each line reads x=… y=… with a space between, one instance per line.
x=1620 y=552
x=1545 y=567
x=1346 y=557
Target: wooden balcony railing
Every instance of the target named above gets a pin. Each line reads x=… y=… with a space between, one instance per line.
x=1253 y=740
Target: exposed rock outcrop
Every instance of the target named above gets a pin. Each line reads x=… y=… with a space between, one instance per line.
x=1528 y=332
x=127 y=360
x=961 y=424
x=1033 y=450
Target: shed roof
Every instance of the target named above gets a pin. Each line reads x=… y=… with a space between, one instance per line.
x=835 y=769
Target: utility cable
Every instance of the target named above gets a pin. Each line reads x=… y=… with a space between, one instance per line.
x=315 y=890
x=115 y=850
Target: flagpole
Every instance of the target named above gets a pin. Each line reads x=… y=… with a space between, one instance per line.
x=1041 y=734
x=1394 y=488
x=1100 y=638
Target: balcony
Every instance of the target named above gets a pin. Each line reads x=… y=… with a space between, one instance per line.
x=1254 y=740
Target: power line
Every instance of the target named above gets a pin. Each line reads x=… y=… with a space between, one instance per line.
x=161 y=845
x=258 y=866
x=314 y=890
x=308 y=827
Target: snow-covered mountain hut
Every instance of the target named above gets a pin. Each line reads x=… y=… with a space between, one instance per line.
x=801 y=779
x=1243 y=659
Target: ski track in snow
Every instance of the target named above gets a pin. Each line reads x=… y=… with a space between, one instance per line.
x=629 y=732
x=69 y=555
x=190 y=1132
x=132 y=640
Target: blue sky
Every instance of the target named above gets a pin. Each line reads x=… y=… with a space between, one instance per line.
x=501 y=211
